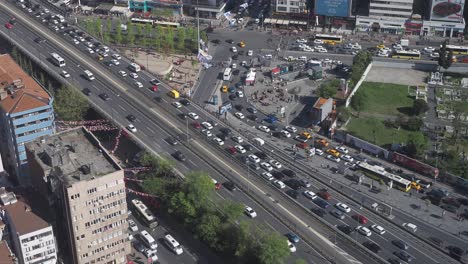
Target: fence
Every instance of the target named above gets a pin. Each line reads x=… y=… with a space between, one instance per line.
x=364 y=76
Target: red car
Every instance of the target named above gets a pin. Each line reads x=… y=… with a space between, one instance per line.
x=154 y=88
x=302 y=145
x=232 y=150
x=360 y=218
x=8 y=25
x=196 y=125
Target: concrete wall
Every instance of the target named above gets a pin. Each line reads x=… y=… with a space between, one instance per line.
x=364 y=76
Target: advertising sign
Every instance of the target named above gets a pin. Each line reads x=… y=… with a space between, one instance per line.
x=334 y=8
x=447 y=10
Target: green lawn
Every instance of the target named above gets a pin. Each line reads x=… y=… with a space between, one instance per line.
x=385 y=98
x=364 y=128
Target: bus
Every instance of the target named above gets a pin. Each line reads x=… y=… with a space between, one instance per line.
x=173 y=244
x=457 y=49
x=379 y=173
x=144 y=213
x=148 y=240
x=165 y=24
x=329 y=39
x=134 y=67
x=142 y=21
x=59 y=18
x=57 y=60
x=407 y=54
x=227 y=74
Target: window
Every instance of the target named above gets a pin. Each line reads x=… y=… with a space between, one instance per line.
x=282 y=8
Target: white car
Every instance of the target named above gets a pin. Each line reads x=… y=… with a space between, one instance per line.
x=250 y=53
x=116 y=56
x=243 y=63
x=233 y=66
x=176 y=104
x=240 y=149
x=322 y=50
x=240 y=94
x=285 y=133
x=132 y=226
x=65 y=74
x=250 y=212
x=343 y=207
x=253 y=158
x=310 y=195
x=89 y=44
x=207 y=125
x=267 y=176
x=264 y=129
x=76 y=41
x=133 y=75
x=429 y=49
x=115 y=62
x=139 y=84
x=383 y=54
x=90 y=50
x=342 y=150
x=266 y=166
x=207 y=132
x=386 y=50
x=308 y=49
x=193 y=115
x=434 y=55
x=318 y=152
x=301 y=40
x=279 y=184
x=218 y=141
x=237 y=139
x=290 y=129
x=239 y=115
x=318 y=41
x=234 y=49
x=332 y=158
x=347 y=158
x=122 y=73
x=132 y=128
x=291 y=246
x=378 y=229
x=275 y=164
x=364 y=231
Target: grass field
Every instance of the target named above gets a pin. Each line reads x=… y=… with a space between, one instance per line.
x=364 y=128
x=385 y=98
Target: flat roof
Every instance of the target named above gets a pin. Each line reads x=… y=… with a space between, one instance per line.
x=5 y=253
x=321 y=101
x=73 y=155
x=24 y=220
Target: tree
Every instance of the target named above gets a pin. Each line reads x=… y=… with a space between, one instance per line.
x=328 y=89
x=198 y=187
x=232 y=211
x=130 y=34
x=139 y=33
x=181 y=39
x=208 y=227
x=148 y=30
x=118 y=34
x=272 y=249
x=164 y=167
x=416 y=145
x=445 y=59
x=183 y=207
x=414 y=124
x=420 y=107
x=98 y=27
x=343 y=114
x=358 y=102
x=160 y=187
x=70 y=104
x=300 y=261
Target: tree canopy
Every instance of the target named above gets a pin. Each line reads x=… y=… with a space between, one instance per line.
x=69 y=104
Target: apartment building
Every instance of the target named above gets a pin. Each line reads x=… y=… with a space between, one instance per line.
x=85 y=186
x=387 y=16
x=291 y=6
x=31 y=237
x=26 y=113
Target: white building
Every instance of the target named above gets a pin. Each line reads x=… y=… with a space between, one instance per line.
x=386 y=16
x=446 y=19
x=32 y=238
x=290 y=6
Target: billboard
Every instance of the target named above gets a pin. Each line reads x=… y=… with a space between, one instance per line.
x=447 y=10
x=338 y=8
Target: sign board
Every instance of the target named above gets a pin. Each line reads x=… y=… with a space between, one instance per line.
x=333 y=8
x=224 y=108
x=447 y=10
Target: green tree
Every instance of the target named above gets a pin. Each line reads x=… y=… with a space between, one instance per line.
x=89 y=27
x=420 y=107
x=343 y=113
x=70 y=104
x=130 y=39
x=445 y=58
x=328 y=89
x=232 y=211
x=414 y=124
x=416 y=145
x=199 y=188
x=164 y=166
x=181 y=39
x=169 y=41
x=300 y=261
x=207 y=228
x=180 y=205
x=98 y=27
x=272 y=249
x=358 y=101
x=148 y=30
x=139 y=33
x=160 y=187
x=118 y=34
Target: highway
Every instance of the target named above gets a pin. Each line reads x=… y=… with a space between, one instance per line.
x=156 y=121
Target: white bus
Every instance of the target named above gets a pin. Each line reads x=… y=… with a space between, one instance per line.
x=173 y=244
x=148 y=240
x=329 y=39
x=134 y=67
x=59 y=18
x=144 y=213
x=59 y=61
x=227 y=74
x=141 y=21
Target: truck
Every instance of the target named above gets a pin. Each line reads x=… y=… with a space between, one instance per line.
x=174 y=94
x=404 y=42
x=415 y=165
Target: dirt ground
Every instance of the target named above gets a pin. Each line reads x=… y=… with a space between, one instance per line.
x=396 y=76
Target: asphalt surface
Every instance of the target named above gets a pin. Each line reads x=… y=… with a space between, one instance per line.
x=150 y=132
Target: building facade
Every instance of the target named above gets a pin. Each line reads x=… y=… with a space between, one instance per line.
x=213 y=9
x=321 y=109
x=291 y=6
x=387 y=16
x=26 y=113
x=85 y=186
x=144 y=6
x=32 y=238
x=446 y=19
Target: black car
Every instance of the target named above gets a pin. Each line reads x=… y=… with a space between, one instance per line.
x=403 y=255
x=278 y=175
x=230 y=41
x=450 y=208
x=456 y=252
x=293 y=193
x=400 y=244
x=360 y=158
x=131 y=118
x=322 y=203
x=86 y=91
x=230 y=186
x=372 y=246
x=179 y=155
x=394 y=261
x=235 y=57
x=463 y=201
x=293 y=184
x=138 y=245
x=157 y=99
x=39 y=40
x=248 y=147
x=345 y=229
x=289 y=173
x=104 y=96
x=261 y=155
x=232 y=97
x=172 y=141
x=225 y=130
x=273 y=127
x=252 y=110
x=239 y=107
x=319 y=212
x=185 y=102
x=252 y=117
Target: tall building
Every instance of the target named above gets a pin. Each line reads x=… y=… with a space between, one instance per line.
x=85 y=187
x=446 y=19
x=32 y=238
x=26 y=113
x=150 y=5
x=206 y=8
x=387 y=16
x=291 y=6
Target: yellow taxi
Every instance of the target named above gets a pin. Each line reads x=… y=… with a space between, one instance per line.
x=333 y=152
x=329 y=42
x=322 y=142
x=242 y=44
x=100 y=58
x=416 y=186
x=224 y=89
x=381 y=46
x=306 y=135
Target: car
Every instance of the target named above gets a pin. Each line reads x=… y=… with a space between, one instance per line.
x=374 y=247
x=333 y=152
x=279 y=184
x=218 y=141
x=363 y=231
x=226 y=131
x=122 y=73
x=318 y=41
x=309 y=194
x=304 y=183
x=253 y=158
x=39 y=40
x=289 y=173
x=338 y=214
x=193 y=115
x=131 y=118
x=90 y=50
x=429 y=49
x=360 y=218
x=400 y=244
x=291 y=246
x=138 y=246
x=403 y=255
x=207 y=125
x=138 y=84
x=237 y=139
x=285 y=133
x=343 y=207
x=154 y=82
x=65 y=74
x=132 y=226
x=410 y=226
x=250 y=212
x=240 y=149
x=347 y=158
x=266 y=166
x=233 y=49
x=133 y=75
x=394 y=261
x=230 y=186
x=132 y=128
x=239 y=115
x=252 y=110
x=321 y=203
x=250 y=53
x=86 y=91
x=275 y=164
x=301 y=40
x=293 y=238
x=116 y=56
x=264 y=129
x=378 y=229
x=8 y=26
x=240 y=94
x=176 y=104
x=206 y=132
x=335 y=159
x=322 y=142
x=76 y=41
x=345 y=229
x=318 y=152
x=434 y=55
x=104 y=96
x=342 y=150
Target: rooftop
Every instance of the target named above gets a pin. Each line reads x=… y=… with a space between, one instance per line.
x=6 y=254
x=23 y=218
x=18 y=91
x=72 y=156
x=7 y=198
x=321 y=101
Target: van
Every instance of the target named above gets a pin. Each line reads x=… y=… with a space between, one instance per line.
x=173 y=245
x=410 y=226
x=89 y=75
x=258 y=141
x=148 y=240
x=174 y=94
